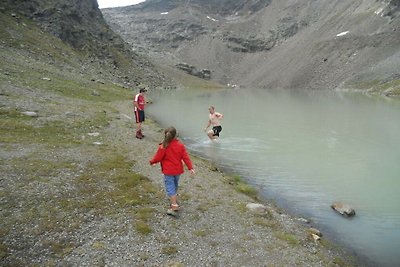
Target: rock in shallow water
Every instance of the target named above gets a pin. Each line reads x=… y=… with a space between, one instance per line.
x=343 y=209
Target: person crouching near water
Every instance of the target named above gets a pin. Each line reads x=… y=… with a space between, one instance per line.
x=213 y=120
x=171 y=152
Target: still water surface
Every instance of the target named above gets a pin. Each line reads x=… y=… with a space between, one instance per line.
x=306 y=150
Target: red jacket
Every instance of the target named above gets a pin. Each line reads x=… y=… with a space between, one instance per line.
x=171 y=158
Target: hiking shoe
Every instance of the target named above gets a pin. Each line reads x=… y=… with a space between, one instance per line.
x=140 y=133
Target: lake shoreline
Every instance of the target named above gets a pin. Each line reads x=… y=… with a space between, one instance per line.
x=276 y=228
x=97 y=201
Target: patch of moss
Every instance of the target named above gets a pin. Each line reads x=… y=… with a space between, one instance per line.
x=60 y=248
x=242 y=187
x=145 y=213
x=268 y=223
x=289 y=238
x=201 y=232
x=203 y=207
x=184 y=195
x=143 y=227
x=3 y=251
x=169 y=250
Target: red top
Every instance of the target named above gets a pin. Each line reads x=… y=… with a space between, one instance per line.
x=171 y=158
x=140 y=100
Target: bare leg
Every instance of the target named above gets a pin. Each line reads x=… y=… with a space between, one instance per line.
x=174 y=205
x=211 y=135
x=139 y=130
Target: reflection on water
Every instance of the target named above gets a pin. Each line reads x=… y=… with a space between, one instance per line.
x=306 y=150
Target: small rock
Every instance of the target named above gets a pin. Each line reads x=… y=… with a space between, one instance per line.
x=314 y=231
x=46 y=79
x=94 y=134
x=97 y=143
x=303 y=220
x=30 y=113
x=256 y=208
x=315 y=237
x=95 y=93
x=343 y=209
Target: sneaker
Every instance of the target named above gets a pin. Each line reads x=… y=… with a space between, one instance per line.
x=172 y=212
x=175 y=207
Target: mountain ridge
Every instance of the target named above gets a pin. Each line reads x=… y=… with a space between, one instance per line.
x=272 y=44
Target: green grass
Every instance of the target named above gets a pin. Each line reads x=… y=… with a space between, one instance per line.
x=243 y=187
x=143 y=228
x=169 y=250
x=17 y=128
x=289 y=238
x=60 y=248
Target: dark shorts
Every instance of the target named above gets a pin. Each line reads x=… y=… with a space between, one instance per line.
x=216 y=130
x=139 y=116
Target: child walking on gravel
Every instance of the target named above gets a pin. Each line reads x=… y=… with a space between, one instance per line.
x=171 y=152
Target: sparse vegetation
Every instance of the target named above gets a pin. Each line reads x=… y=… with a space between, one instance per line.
x=243 y=187
x=289 y=238
x=143 y=228
x=169 y=250
x=386 y=88
x=201 y=233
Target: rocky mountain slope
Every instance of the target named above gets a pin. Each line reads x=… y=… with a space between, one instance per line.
x=96 y=48
x=272 y=44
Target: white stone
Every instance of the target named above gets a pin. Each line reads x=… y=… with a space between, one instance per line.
x=30 y=113
x=256 y=207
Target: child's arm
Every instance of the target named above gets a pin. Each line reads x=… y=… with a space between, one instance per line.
x=158 y=156
x=186 y=160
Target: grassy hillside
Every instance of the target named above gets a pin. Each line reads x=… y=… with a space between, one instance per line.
x=55 y=175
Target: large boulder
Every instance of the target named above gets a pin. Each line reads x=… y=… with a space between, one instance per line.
x=343 y=209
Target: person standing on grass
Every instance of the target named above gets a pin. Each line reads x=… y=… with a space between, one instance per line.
x=213 y=120
x=139 y=103
x=171 y=152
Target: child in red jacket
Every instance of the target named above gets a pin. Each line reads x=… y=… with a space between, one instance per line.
x=170 y=154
